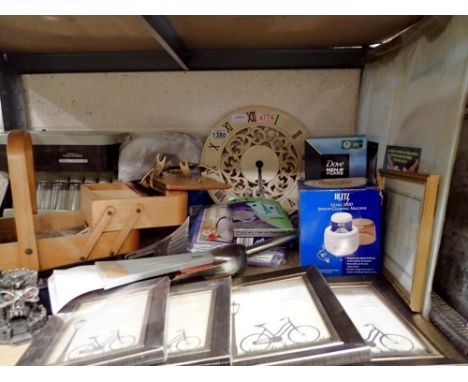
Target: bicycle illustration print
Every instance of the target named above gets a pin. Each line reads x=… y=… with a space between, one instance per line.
x=387 y=341
x=97 y=344
x=181 y=342
x=288 y=331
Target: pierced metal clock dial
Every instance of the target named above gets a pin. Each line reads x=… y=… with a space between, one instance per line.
x=259 y=150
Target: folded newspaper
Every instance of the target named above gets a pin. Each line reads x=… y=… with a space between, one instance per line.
x=67 y=284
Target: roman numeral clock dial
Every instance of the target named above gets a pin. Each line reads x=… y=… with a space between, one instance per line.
x=259 y=150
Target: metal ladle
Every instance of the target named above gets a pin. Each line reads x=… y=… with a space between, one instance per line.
x=231 y=259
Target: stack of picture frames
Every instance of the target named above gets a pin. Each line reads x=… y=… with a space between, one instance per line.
x=292 y=318
x=145 y=323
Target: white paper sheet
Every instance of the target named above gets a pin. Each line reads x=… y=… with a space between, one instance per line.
x=67 y=284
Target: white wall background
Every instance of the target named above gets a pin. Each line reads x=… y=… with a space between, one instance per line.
x=325 y=101
x=417 y=98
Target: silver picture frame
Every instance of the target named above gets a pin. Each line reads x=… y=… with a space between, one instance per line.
x=123 y=326
x=198 y=323
x=292 y=317
x=396 y=335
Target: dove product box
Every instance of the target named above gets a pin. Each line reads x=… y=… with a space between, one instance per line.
x=340 y=226
x=336 y=157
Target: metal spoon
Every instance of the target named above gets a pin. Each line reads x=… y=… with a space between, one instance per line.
x=231 y=260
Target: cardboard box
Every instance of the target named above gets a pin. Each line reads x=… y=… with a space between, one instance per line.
x=336 y=157
x=340 y=227
x=83 y=151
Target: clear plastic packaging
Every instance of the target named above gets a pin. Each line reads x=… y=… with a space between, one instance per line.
x=138 y=154
x=273 y=258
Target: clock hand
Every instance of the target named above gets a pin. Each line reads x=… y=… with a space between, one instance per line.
x=261 y=191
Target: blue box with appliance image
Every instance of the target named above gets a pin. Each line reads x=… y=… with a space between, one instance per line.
x=340 y=226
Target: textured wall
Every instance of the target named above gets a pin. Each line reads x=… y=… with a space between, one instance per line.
x=451 y=275
x=324 y=100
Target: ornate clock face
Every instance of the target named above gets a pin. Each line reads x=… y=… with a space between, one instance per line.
x=259 y=150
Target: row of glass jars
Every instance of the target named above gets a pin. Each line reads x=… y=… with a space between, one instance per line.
x=62 y=193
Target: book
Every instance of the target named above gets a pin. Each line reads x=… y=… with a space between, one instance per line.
x=257 y=217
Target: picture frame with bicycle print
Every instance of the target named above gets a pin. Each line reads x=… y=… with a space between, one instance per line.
x=124 y=326
x=409 y=208
x=279 y=319
x=197 y=329
x=394 y=333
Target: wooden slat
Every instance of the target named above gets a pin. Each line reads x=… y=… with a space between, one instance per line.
x=22 y=181
x=59 y=251
x=79 y=34
x=286 y=32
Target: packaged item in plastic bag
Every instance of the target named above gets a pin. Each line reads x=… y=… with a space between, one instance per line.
x=138 y=154
x=212 y=227
x=272 y=258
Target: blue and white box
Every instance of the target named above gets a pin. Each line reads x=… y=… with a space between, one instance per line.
x=340 y=226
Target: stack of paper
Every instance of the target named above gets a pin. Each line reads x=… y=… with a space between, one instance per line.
x=65 y=285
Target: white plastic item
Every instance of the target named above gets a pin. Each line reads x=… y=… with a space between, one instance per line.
x=138 y=154
x=341 y=238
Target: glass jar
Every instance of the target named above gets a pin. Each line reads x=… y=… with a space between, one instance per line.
x=104 y=179
x=58 y=199
x=40 y=193
x=74 y=194
x=43 y=203
x=90 y=179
